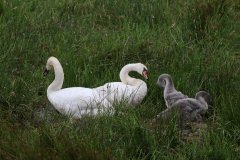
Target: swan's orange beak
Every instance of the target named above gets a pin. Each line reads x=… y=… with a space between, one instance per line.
x=144 y=73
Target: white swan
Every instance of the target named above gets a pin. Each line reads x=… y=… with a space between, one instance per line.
x=188 y=109
x=131 y=91
x=171 y=95
x=73 y=101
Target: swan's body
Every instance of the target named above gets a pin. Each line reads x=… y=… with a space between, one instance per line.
x=73 y=101
x=188 y=109
x=131 y=91
x=171 y=95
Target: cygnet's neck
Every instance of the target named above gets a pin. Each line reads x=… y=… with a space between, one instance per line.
x=169 y=84
x=59 y=77
x=125 y=78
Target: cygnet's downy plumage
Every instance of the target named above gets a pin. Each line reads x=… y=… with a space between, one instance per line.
x=171 y=95
x=188 y=109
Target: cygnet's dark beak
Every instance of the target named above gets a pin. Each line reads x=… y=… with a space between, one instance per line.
x=160 y=86
x=209 y=106
x=45 y=72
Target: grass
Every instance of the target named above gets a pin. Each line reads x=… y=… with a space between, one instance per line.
x=196 y=42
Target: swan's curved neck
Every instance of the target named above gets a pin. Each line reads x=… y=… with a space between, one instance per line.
x=125 y=78
x=59 y=77
x=169 y=84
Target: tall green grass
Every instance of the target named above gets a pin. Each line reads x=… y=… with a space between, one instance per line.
x=196 y=42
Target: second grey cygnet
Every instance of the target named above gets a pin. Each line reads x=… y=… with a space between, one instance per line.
x=187 y=109
x=171 y=95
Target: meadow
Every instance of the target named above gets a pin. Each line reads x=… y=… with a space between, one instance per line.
x=197 y=42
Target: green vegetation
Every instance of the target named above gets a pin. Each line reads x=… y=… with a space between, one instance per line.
x=197 y=42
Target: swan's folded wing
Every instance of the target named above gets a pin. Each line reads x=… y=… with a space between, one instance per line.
x=75 y=98
x=116 y=92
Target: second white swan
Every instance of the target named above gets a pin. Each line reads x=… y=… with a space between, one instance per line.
x=131 y=91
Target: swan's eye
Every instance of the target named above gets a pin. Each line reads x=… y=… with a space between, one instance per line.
x=144 y=69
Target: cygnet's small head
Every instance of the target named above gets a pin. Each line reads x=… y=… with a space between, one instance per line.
x=49 y=65
x=206 y=96
x=142 y=69
x=161 y=82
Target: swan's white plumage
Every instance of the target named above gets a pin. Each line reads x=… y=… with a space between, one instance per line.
x=77 y=101
x=131 y=91
x=117 y=92
x=74 y=101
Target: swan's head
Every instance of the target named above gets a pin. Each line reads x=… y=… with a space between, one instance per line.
x=50 y=63
x=203 y=95
x=138 y=67
x=142 y=69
